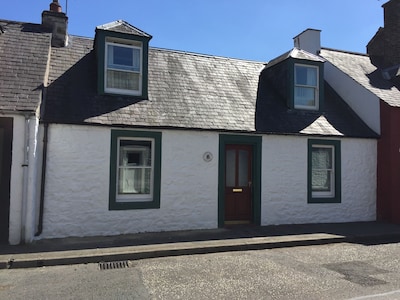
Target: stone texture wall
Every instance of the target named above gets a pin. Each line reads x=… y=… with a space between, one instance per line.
x=76 y=198
x=284 y=182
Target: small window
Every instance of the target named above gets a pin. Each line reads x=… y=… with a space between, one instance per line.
x=135 y=169
x=306 y=95
x=123 y=69
x=324 y=171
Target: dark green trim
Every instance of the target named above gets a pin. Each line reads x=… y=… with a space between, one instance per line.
x=291 y=63
x=100 y=42
x=338 y=173
x=256 y=142
x=155 y=203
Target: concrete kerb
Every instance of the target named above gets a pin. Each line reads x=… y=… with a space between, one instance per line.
x=33 y=260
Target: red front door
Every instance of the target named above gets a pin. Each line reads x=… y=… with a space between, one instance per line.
x=238 y=184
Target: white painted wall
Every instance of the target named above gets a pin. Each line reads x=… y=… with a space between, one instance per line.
x=361 y=100
x=76 y=198
x=284 y=183
x=16 y=182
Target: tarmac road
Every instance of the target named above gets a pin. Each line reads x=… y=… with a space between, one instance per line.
x=334 y=271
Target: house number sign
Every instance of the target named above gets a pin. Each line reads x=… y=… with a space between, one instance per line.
x=207 y=156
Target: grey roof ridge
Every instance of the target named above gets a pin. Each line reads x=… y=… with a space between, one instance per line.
x=345 y=51
x=205 y=55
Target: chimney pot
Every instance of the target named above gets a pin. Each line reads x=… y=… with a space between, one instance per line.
x=55 y=6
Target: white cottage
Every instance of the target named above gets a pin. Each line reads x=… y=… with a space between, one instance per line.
x=140 y=139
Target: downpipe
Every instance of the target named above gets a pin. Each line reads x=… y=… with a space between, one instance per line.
x=43 y=180
x=25 y=178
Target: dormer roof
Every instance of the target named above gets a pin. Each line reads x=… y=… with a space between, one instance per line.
x=297 y=54
x=122 y=26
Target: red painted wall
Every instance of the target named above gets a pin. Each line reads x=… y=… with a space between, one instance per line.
x=388 y=185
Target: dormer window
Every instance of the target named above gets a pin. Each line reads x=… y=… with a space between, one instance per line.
x=122 y=53
x=123 y=68
x=306 y=83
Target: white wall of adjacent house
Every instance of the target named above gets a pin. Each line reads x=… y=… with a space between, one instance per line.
x=284 y=183
x=77 y=184
x=361 y=100
x=24 y=193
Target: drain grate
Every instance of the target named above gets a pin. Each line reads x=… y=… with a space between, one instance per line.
x=111 y=265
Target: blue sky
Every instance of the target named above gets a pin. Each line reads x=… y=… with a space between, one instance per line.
x=247 y=29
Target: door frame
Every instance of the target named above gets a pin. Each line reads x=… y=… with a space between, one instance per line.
x=256 y=143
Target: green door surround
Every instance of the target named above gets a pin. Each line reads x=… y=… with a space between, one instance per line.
x=256 y=142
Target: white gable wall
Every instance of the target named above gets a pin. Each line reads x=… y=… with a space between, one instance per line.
x=76 y=198
x=361 y=100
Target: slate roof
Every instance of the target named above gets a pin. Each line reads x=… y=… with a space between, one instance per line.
x=360 y=68
x=336 y=119
x=186 y=90
x=24 y=51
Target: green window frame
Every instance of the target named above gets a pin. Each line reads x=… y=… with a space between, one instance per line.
x=324 y=171
x=135 y=170
x=123 y=72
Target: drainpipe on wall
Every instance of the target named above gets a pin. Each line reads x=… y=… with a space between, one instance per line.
x=25 y=179
x=43 y=180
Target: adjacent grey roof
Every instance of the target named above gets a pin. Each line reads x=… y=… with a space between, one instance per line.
x=360 y=68
x=24 y=52
x=123 y=27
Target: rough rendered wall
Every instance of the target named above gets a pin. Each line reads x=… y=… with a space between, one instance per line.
x=284 y=183
x=76 y=199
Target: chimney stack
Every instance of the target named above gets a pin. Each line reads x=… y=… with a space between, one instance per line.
x=383 y=48
x=309 y=40
x=56 y=21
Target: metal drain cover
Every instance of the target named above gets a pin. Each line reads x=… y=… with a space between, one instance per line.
x=114 y=265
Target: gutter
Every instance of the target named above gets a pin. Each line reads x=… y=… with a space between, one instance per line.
x=43 y=180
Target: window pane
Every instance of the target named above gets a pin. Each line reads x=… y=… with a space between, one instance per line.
x=304 y=96
x=306 y=76
x=135 y=166
x=321 y=180
x=321 y=158
x=134 y=153
x=134 y=181
x=243 y=167
x=230 y=168
x=123 y=58
x=122 y=80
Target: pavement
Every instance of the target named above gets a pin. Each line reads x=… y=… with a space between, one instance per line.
x=79 y=250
